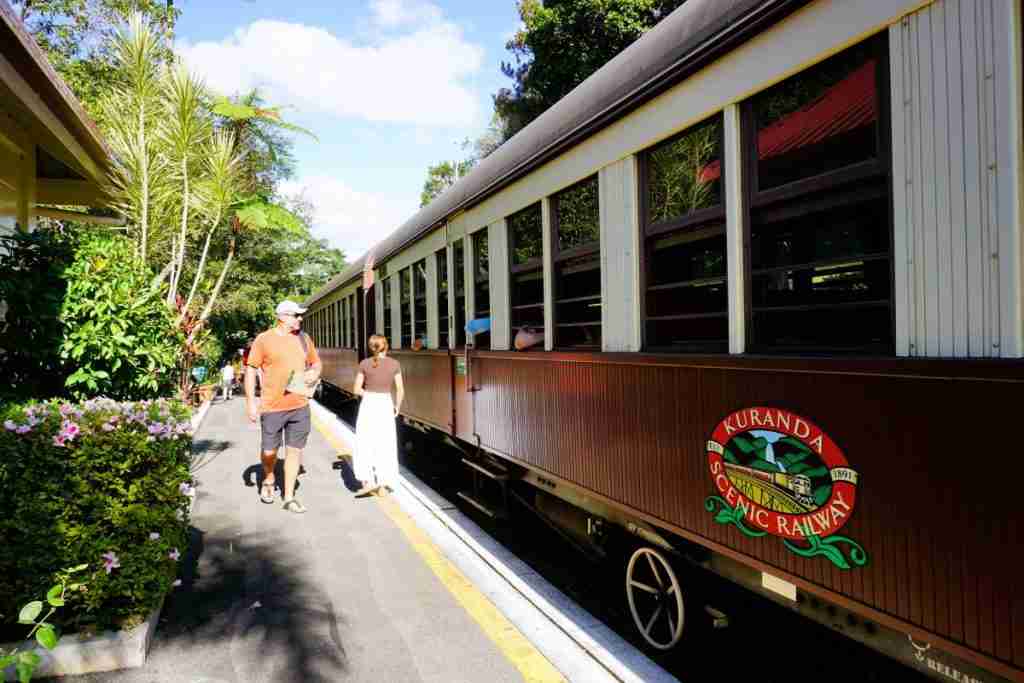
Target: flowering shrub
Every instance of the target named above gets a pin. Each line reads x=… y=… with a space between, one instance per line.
x=99 y=483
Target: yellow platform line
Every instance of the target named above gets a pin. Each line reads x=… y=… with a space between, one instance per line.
x=527 y=659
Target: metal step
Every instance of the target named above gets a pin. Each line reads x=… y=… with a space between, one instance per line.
x=493 y=514
x=486 y=471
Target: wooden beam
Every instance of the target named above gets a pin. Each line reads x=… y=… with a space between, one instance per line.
x=109 y=221
x=68 y=148
x=73 y=192
x=26 y=192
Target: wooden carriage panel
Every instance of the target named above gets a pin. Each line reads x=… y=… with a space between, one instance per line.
x=428 y=386
x=340 y=367
x=932 y=443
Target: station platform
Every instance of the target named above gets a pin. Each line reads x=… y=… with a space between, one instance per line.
x=393 y=588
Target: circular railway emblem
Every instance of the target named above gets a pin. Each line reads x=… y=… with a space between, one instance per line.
x=778 y=473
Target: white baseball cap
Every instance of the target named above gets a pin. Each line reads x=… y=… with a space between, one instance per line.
x=288 y=307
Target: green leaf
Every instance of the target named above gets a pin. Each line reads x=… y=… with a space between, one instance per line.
x=53 y=596
x=29 y=612
x=77 y=568
x=26 y=666
x=6 y=661
x=47 y=637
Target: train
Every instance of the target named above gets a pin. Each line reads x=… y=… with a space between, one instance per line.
x=749 y=297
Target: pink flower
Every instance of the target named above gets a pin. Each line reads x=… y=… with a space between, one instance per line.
x=153 y=535
x=186 y=489
x=69 y=429
x=58 y=441
x=110 y=561
x=174 y=555
x=107 y=427
x=23 y=429
x=177 y=582
x=9 y=425
x=66 y=409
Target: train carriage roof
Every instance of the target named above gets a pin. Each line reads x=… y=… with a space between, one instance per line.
x=693 y=35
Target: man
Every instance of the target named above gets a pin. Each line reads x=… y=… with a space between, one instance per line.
x=290 y=368
x=227 y=380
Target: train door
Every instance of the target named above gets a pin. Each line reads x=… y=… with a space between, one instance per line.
x=463 y=398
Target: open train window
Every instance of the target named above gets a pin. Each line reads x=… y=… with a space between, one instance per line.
x=419 y=297
x=481 y=286
x=345 y=306
x=350 y=327
x=353 y=317
x=386 y=304
x=577 y=267
x=459 y=265
x=526 y=246
x=820 y=227
x=686 y=296
x=405 y=306
x=441 y=261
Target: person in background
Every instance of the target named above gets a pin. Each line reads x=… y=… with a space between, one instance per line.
x=290 y=367
x=375 y=462
x=227 y=380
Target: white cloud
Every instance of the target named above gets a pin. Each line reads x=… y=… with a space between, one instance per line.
x=351 y=220
x=391 y=13
x=419 y=75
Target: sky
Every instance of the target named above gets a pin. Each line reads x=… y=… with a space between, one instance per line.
x=388 y=86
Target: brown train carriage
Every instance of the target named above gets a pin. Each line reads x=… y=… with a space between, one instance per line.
x=870 y=487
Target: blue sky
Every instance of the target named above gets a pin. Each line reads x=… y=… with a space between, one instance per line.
x=389 y=87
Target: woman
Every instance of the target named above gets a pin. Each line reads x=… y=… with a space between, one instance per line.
x=376 y=458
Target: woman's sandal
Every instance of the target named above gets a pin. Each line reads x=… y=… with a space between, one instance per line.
x=267 y=493
x=294 y=506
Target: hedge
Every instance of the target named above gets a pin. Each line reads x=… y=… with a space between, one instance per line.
x=99 y=483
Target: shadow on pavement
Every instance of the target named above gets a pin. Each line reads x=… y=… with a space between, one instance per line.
x=348 y=477
x=253 y=476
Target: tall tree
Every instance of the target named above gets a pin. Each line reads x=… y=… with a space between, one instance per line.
x=78 y=37
x=563 y=42
x=442 y=176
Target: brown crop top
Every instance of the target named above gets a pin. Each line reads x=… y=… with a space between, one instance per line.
x=379 y=379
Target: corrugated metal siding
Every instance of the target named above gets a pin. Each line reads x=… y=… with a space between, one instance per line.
x=956 y=180
x=936 y=507
x=340 y=367
x=427 y=376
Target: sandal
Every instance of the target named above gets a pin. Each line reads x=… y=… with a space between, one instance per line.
x=294 y=506
x=267 y=493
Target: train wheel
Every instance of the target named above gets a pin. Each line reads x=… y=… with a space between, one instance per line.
x=655 y=598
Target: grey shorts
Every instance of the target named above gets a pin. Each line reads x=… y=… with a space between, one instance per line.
x=294 y=423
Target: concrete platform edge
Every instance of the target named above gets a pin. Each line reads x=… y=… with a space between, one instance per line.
x=108 y=651
x=619 y=658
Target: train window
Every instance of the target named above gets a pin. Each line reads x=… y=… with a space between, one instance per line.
x=577 y=271
x=441 y=260
x=335 y=336
x=405 y=305
x=686 y=296
x=353 y=317
x=459 y=264
x=349 y=323
x=386 y=303
x=683 y=180
x=820 y=229
x=481 y=286
x=526 y=243
x=346 y=323
x=419 y=295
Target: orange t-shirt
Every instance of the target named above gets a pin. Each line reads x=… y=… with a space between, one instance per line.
x=279 y=355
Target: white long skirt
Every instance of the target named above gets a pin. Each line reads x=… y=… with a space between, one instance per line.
x=375 y=461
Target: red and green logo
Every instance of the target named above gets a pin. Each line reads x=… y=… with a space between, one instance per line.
x=778 y=473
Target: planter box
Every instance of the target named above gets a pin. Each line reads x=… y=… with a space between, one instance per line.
x=107 y=651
